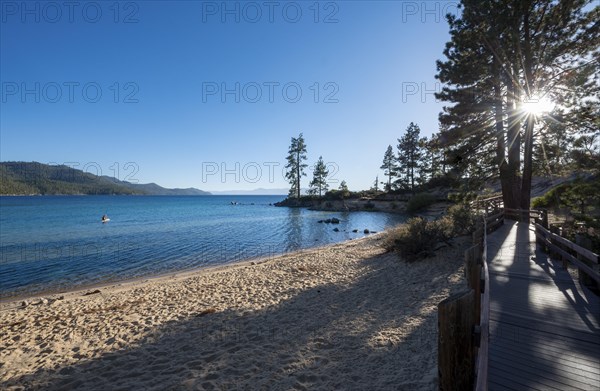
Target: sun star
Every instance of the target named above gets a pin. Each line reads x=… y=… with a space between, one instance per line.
x=537 y=105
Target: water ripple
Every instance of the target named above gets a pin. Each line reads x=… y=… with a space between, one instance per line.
x=59 y=242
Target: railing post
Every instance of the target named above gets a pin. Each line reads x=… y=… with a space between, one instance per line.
x=555 y=230
x=456 y=359
x=545 y=218
x=473 y=273
x=584 y=278
x=544 y=223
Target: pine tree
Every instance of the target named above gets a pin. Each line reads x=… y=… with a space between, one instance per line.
x=343 y=187
x=551 y=154
x=425 y=163
x=502 y=54
x=435 y=156
x=319 y=182
x=586 y=151
x=409 y=155
x=295 y=166
x=375 y=186
x=388 y=166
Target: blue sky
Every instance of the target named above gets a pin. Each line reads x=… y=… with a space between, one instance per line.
x=97 y=86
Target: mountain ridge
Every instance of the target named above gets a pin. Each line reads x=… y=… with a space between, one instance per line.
x=34 y=178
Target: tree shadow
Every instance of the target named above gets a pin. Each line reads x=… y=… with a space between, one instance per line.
x=331 y=336
x=544 y=331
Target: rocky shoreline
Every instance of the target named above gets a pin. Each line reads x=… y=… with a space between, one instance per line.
x=391 y=205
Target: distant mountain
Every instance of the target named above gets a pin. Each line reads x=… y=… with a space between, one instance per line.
x=32 y=178
x=259 y=191
x=154 y=189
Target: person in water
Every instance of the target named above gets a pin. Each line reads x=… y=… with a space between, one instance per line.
x=104 y=217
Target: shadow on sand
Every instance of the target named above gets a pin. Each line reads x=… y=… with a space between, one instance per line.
x=328 y=337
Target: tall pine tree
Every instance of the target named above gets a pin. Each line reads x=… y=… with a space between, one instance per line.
x=389 y=163
x=409 y=156
x=502 y=54
x=319 y=182
x=295 y=164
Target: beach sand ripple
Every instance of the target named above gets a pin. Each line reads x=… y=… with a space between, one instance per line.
x=346 y=316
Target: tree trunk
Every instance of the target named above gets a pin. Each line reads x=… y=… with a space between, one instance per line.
x=527 y=164
x=298 y=175
x=500 y=135
x=530 y=90
x=514 y=142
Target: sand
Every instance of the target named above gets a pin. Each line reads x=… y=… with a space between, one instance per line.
x=346 y=316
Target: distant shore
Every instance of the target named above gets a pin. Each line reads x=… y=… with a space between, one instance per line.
x=323 y=318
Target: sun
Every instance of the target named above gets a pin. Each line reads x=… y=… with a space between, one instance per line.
x=537 y=105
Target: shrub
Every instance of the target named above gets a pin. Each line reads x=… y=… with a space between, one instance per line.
x=417 y=238
x=462 y=218
x=462 y=196
x=369 y=205
x=419 y=201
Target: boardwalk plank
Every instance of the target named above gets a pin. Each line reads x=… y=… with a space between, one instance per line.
x=586 y=371
x=545 y=366
x=537 y=379
x=545 y=327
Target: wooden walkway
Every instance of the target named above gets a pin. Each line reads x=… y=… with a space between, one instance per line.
x=544 y=326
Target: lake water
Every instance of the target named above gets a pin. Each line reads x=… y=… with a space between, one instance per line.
x=58 y=242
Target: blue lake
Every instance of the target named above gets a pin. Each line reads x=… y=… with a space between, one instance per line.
x=58 y=242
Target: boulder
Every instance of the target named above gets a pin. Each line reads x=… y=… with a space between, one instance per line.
x=335 y=221
x=366 y=231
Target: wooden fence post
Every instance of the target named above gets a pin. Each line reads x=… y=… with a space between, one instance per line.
x=544 y=223
x=555 y=230
x=584 y=278
x=473 y=276
x=545 y=218
x=456 y=360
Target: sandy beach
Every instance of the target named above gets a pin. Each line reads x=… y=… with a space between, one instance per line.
x=346 y=316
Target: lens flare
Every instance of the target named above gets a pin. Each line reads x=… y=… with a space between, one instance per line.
x=537 y=105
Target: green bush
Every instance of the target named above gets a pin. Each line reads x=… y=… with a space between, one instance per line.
x=419 y=201
x=579 y=196
x=463 y=219
x=462 y=196
x=418 y=238
x=549 y=200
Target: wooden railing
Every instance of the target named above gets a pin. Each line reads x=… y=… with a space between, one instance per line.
x=557 y=246
x=585 y=260
x=463 y=319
